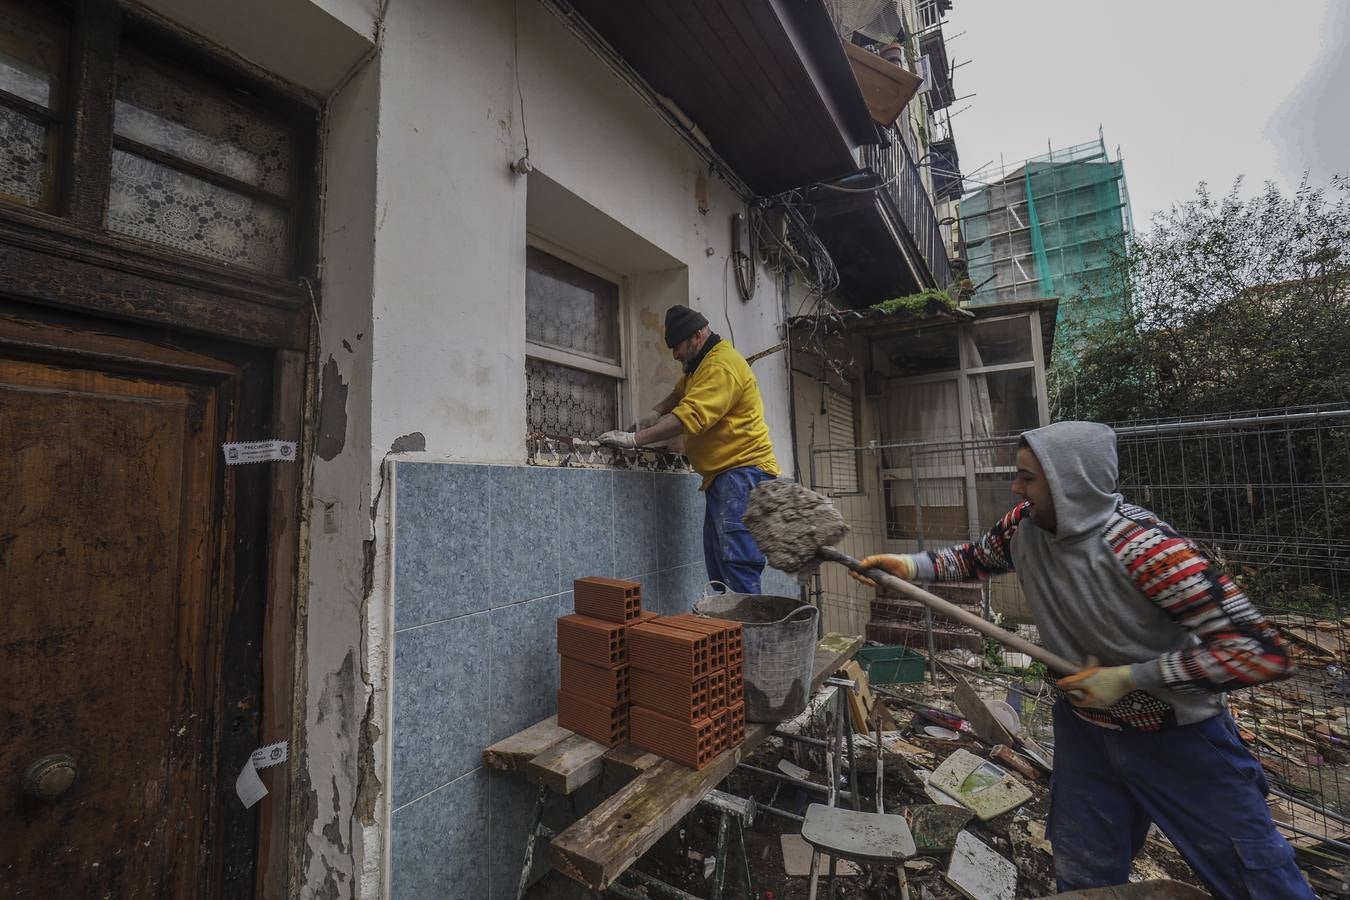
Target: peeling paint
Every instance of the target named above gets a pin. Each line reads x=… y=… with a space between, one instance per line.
x=332 y=412
x=415 y=440
x=333 y=830
x=368 y=784
x=338 y=689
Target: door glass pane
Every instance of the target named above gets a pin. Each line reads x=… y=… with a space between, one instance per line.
x=23 y=158
x=566 y=402
x=32 y=51
x=195 y=123
x=156 y=203
x=1000 y=341
x=569 y=308
x=1003 y=402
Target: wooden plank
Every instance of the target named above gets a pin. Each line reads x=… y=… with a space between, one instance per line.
x=599 y=847
x=513 y=754
x=567 y=765
x=629 y=761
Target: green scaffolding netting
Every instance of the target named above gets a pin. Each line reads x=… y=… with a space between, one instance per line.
x=1047 y=227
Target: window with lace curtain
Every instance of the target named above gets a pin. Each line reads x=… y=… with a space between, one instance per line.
x=32 y=61
x=195 y=170
x=200 y=158
x=574 y=366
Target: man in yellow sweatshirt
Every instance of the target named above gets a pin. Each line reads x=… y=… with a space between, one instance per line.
x=717 y=408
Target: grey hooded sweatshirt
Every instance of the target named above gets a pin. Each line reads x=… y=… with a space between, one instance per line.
x=1116 y=583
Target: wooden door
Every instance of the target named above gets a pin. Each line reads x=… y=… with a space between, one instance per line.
x=115 y=534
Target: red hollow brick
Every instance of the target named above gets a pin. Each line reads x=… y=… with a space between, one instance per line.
x=592 y=641
x=691 y=744
x=736 y=724
x=717 y=691
x=735 y=684
x=606 y=725
x=607 y=598
x=715 y=629
x=607 y=687
x=720 y=724
x=735 y=645
x=683 y=700
x=657 y=647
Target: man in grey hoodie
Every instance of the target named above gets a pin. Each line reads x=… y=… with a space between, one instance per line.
x=1144 y=735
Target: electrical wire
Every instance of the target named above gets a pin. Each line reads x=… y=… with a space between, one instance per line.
x=726 y=301
x=515 y=74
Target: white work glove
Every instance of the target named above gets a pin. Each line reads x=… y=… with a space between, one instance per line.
x=1098 y=687
x=901 y=565
x=620 y=440
x=645 y=422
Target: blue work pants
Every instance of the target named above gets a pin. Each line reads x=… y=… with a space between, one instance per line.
x=1197 y=782
x=730 y=553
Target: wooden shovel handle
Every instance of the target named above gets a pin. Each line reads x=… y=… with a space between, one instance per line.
x=1054 y=663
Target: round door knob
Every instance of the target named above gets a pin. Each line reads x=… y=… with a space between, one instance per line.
x=50 y=777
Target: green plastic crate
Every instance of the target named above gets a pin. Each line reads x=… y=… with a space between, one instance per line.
x=891 y=665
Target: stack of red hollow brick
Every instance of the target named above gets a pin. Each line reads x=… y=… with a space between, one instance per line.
x=672 y=685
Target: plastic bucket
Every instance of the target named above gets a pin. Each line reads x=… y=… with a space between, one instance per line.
x=780 y=648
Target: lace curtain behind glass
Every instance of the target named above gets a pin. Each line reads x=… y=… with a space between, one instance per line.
x=186 y=208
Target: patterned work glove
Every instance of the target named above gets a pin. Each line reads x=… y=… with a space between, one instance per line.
x=1098 y=687
x=622 y=440
x=900 y=565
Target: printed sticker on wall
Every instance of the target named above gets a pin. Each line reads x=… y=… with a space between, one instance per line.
x=248 y=785
x=238 y=454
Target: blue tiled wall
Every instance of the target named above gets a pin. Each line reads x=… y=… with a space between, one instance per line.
x=484 y=558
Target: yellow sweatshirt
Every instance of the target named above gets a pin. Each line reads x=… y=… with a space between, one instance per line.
x=723 y=416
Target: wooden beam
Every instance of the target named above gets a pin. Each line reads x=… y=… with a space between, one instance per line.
x=598 y=848
x=566 y=766
x=629 y=761
x=86 y=165
x=513 y=754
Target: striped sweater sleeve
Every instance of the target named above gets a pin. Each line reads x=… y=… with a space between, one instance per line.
x=990 y=555
x=1237 y=648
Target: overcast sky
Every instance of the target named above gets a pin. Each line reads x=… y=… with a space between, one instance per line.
x=1190 y=90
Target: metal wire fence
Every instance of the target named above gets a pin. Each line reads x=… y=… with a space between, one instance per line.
x=1266 y=495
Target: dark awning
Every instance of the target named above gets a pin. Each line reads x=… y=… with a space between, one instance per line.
x=767 y=82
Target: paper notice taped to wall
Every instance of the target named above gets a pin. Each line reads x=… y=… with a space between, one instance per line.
x=248 y=785
x=242 y=452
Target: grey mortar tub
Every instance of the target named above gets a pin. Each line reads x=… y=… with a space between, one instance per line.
x=780 y=648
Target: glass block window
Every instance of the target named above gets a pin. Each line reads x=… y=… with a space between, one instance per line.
x=32 y=57
x=574 y=371
x=197 y=171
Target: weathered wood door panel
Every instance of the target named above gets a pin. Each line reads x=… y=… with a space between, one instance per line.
x=114 y=537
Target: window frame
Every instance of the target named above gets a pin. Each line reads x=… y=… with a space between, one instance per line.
x=76 y=217
x=582 y=362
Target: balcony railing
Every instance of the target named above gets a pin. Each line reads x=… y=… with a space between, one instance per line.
x=901 y=177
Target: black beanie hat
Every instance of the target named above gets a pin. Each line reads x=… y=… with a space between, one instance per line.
x=681 y=321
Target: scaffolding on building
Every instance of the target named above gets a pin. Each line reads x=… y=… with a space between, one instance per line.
x=1048 y=227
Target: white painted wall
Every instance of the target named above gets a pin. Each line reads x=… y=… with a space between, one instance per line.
x=453 y=218
x=311 y=43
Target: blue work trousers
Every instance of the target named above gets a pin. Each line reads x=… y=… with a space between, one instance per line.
x=730 y=553
x=1197 y=782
